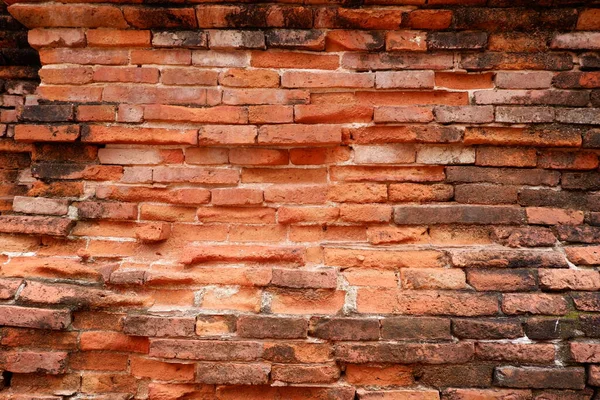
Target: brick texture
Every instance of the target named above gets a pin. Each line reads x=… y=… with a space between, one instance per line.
x=378 y=199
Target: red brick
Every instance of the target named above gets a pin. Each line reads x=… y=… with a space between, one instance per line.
x=47 y=133
x=403 y=114
x=299 y=134
x=206 y=156
x=491 y=394
x=522 y=137
x=425 y=302
x=305 y=373
x=340 y=40
x=430 y=19
x=206 y=350
x=589 y=255
x=63 y=75
x=284 y=59
x=390 y=259
x=115 y=341
x=71 y=15
x=234 y=214
x=271 y=327
x=316 y=279
x=126 y=74
x=140 y=194
x=99 y=210
x=295 y=39
x=405 y=79
x=315 y=156
x=258 y=156
x=35 y=225
x=29 y=362
x=399 y=394
x=105 y=382
x=250 y=253
x=236 y=197
x=388 y=235
x=576 y=40
x=383 y=61
x=380 y=375
x=326 y=79
x=318 y=301
x=147 y=368
x=273 y=114
x=98 y=361
x=151 y=94
x=249 y=78
x=264 y=96
x=357 y=193
x=569 y=279
x=39 y=205
x=415 y=328
x=568 y=160
x=318 y=114
x=522 y=303
x=84 y=56
x=116 y=38
x=296 y=194
x=236 y=39
x=405 y=353
x=540 y=378
x=506 y=157
x=129 y=135
x=147 y=18
x=464 y=114
x=365 y=213
x=40 y=38
x=34 y=317
x=517 y=61
x=103 y=113
x=8 y=288
x=142 y=325
x=233 y=373
x=588 y=20
x=464 y=81
x=406 y=41
x=521 y=353
x=432 y=278
x=292 y=215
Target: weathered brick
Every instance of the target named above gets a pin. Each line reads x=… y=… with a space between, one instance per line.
x=35 y=317
x=305 y=373
x=408 y=353
x=148 y=18
x=233 y=373
x=271 y=327
x=498 y=328
x=344 y=328
x=146 y=325
x=339 y=40
x=187 y=39
x=69 y=16
x=523 y=303
x=412 y=328
x=576 y=40
x=460 y=214
x=540 y=378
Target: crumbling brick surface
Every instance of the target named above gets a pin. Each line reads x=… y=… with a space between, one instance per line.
x=380 y=199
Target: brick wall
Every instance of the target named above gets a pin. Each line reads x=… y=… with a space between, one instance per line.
x=380 y=199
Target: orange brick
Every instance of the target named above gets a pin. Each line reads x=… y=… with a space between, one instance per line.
x=117 y=38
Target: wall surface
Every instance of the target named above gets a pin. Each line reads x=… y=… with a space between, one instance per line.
x=333 y=200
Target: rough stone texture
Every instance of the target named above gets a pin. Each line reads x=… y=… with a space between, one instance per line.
x=317 y=200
